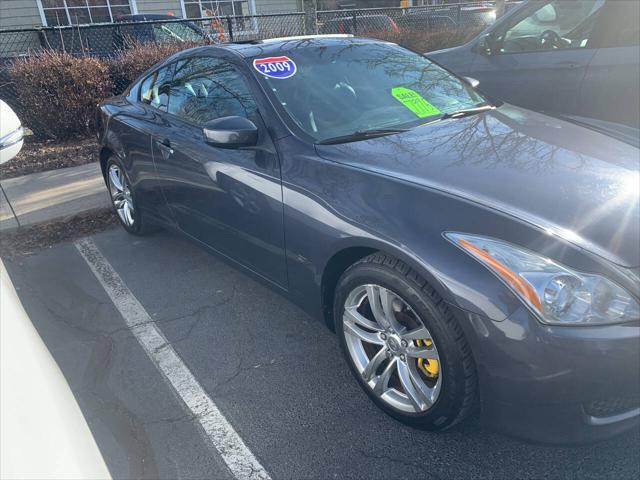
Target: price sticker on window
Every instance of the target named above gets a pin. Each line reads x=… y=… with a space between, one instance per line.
x=414 y=102
x=275 y=67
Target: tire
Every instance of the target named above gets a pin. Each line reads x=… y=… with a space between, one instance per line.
x=448 y=388
x=133 y=222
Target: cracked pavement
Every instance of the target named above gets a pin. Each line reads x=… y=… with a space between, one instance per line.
x=277 y=375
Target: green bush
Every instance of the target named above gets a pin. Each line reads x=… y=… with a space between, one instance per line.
x=58 y=92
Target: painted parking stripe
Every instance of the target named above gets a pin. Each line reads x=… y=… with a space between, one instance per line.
x=242 y=463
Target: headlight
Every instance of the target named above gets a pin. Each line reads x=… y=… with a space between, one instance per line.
x=558 y=294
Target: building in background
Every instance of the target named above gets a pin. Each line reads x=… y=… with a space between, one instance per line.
x=37 y=13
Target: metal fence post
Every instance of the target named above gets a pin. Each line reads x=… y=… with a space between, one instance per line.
x=355 y=22
x=458 y=15
x=310 y=18
x=230 y=27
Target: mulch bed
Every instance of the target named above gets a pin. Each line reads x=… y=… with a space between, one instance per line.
x=27 y=240
x=38 y=156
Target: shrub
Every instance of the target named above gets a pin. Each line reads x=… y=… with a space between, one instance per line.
x=427 y=41
x=58 y=92
x=139 y=57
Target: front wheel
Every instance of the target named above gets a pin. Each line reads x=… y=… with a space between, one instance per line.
x=403 y=344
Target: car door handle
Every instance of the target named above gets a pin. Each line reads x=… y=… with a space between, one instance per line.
x=165 y=147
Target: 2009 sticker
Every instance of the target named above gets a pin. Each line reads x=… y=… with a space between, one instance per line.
x=275 y=67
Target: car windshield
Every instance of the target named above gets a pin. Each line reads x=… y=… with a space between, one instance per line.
x=176 y=32
x=338 y=90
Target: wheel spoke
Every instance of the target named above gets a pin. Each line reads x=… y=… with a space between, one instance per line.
x=425 y=392
x=122 y=179
x=386 y=299
x=382 y=380
x=381 y=303
x=415 y=395
x=369 y=337
x=352 y=314
x=127 y=214
x=422 y=352
x=420 y=333
x=114 y=178
x=118 y=200
x=376 y=307
x=373 y=365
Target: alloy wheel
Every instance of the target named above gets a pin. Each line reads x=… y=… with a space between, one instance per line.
x=121 y=195
x=392 y=349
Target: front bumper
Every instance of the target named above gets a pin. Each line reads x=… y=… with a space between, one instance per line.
x=555 y=384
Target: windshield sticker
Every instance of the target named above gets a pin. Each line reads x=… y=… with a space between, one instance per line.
x=275 y=67
x=414 y=102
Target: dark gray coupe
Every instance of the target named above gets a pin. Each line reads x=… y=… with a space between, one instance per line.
x=469 y=255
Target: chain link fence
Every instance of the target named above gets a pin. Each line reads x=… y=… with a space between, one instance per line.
x=108 y=40
x=422 y=28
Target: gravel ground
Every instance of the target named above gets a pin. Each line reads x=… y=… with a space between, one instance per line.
x=39 y=156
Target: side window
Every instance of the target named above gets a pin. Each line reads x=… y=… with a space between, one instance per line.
x=145 y=88
x=154 y=90
x=205 y=88
x=554 y=25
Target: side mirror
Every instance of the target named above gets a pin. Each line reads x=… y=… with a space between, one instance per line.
x=474 y=82
x=230 y=132
x=487 y=45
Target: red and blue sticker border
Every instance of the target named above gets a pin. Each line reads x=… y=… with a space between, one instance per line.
x=275 y=67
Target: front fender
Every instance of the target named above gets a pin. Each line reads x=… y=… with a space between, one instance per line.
x=330 y=207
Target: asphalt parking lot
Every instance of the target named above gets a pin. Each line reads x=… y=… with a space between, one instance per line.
x=276 y=375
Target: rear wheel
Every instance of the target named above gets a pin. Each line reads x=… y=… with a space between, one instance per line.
x=403 y=344
x=123 y=199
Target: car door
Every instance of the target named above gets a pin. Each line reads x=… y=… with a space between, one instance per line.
x=610 y=90
x=134 y=127
x=539 y=57
x=228 y=199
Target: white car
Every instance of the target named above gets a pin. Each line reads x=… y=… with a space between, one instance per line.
x=43 y=433
x=11 y=133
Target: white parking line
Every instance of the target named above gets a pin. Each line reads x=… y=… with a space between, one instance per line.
x=242 y=463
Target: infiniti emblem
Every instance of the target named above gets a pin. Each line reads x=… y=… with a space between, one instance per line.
x=394 y=345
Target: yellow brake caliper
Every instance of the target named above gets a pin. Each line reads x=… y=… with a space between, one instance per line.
x=429 y=367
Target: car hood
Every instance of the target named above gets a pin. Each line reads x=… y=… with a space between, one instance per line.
x=576 y=183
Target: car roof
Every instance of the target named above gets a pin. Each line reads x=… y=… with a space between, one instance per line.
x=286 y=44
